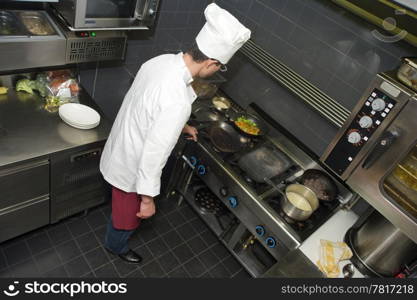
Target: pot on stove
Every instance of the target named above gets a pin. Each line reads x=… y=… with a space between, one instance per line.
x=299 y=202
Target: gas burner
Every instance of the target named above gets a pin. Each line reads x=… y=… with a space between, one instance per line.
x=208 y=203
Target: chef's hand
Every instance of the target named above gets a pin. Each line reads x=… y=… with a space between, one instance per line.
x=147 y=207
x=192 y=131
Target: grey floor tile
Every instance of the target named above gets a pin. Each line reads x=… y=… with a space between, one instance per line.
x=209 y=238
x=39 y=243
x=153 y=270
x=219 y=271
x=96 y=219
x=97 y=258
x=162 y=225
x=195 y=268
x=172 y=239
x=78 y=226
x=242 y=274
x=68 y=251
x=208 y=259
x=205 y=275
x=183 y=253
x=220 y=251
x=188 y=212
x=232 y=265
x=59 y=233
x=106 y=271
x=16 y=253
x=47 y=260
x=197 y=245
x=87 y=242
x=168 y=262
x=25 y=269
x=136 y=274
x=146 y=233
x=58 y=272
x=5 y=273
x=135 y=241
x=186 y=231
x=199 y=225
x=175 y=218
x=157 y=247
x=77 y=267
x=179 y=272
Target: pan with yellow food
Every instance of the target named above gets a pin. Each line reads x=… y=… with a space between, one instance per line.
x=250 y=125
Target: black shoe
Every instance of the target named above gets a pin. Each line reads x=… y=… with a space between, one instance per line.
x=131 y=257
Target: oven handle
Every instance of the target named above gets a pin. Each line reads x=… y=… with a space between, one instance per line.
x=385 y=142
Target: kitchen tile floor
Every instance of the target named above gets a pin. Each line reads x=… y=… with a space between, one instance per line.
x=174 y=243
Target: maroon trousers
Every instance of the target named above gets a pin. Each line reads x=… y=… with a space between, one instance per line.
x=125 y=206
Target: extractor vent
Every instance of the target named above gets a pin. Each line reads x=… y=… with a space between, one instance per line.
x=80 y=50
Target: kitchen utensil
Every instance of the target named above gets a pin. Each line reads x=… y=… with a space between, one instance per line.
x=289 y=207
x=225 y=138
x=348 y=271
x=204 y=89
x=221 y=103
x=255 y=120
x=79 y=115
x=207 y=114
x=407 y=73
x=264 y=162
x=320 y=183
x=379 y=248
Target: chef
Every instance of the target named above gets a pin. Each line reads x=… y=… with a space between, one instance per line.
x=153 y=115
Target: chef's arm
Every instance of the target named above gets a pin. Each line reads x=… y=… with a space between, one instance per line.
x=160 y=140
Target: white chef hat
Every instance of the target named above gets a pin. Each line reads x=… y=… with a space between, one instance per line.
x=222 y=35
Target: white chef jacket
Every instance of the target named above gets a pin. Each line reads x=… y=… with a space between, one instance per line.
x=148 y=125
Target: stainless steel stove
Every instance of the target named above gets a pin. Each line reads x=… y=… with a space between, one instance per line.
x=253 y=217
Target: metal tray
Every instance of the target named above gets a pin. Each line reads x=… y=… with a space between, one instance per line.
x=36 y=23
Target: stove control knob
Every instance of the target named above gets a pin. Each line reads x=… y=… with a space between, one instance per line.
x=260 y=230
x=193 y=161
x=366 y=122
x=378 y=104
x=201 y=170
x=354 y=137
x=271 y=242
x=223 y=191
x=233 y=202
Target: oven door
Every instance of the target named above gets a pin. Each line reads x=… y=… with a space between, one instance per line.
x=114 y=14
x=387 y=176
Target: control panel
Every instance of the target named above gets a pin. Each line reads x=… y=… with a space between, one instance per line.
x=373 y=113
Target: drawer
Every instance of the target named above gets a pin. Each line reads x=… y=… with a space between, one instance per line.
x=23 y=182
x=24 y=217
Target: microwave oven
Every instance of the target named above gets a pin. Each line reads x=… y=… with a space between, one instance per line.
x=81 y=15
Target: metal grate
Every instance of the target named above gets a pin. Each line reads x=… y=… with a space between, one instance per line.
x=93 y=50
x=319 y=101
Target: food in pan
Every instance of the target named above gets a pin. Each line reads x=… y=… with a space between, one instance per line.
x=221 y=103
x=298 y=201
x=247 y=126
x=37 y=26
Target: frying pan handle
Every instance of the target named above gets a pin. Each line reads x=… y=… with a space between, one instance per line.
x=269 y=181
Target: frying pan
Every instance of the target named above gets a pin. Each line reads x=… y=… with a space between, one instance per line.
x=226 y=138
x=261 y=125
x=320 y=183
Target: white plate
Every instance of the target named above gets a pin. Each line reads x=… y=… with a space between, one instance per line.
x=79 y=115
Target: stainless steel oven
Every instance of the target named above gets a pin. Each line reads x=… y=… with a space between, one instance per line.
x=375 y=152
x=108 y=14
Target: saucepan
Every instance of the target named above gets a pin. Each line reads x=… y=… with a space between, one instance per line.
x=299 y=202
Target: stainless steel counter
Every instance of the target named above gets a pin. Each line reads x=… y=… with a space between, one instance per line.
x=28 y=131
x=294 y=265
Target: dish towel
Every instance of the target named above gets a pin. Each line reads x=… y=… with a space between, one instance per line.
x=331 y=253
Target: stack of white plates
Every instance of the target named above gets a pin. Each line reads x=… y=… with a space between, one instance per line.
x=79 y=116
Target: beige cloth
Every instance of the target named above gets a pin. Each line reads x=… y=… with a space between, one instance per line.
x=331 y=253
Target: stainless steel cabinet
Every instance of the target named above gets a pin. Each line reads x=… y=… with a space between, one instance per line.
x=24 y=198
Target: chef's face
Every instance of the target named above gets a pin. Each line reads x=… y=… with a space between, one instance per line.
x=210 y=67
